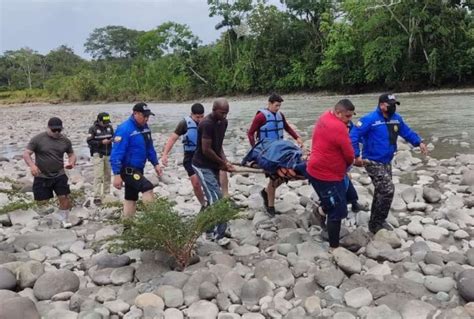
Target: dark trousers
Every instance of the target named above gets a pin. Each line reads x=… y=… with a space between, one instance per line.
x=351 y=195
x=381 y=175
x=333 y=202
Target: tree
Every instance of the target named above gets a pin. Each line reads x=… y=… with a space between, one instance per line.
x=113 y=42
x=26 y=60
x=169 y=37
x=63 y=61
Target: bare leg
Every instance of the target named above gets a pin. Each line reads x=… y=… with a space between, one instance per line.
x=271 y=190
x=64 y=202
x=197 y=189
x=129 y=208
x=224 y=181
x=147 y=197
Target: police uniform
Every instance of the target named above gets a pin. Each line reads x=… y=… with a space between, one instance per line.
x=132 y=147
x=100 y=154
x=378 y=136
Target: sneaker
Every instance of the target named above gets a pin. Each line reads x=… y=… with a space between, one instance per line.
x=264 y=194
x=97 y=201
x=65 y=224
x=356 y=207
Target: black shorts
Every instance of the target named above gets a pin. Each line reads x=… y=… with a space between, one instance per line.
x=135 y=183
x=43 y=188
x=188 y=163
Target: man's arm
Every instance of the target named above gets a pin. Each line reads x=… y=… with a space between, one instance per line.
x=29 y=161
x=71 y=160
x=358 y=131
x=169 y=145
x=412 y=137
x=91 y=141
x=257 y=123
x=119 y=149
x=291 y=131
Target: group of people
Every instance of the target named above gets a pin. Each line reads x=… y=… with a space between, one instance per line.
x=125 y=151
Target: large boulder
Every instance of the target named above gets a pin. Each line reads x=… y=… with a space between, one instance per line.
x=54 y=282
x=18 y=308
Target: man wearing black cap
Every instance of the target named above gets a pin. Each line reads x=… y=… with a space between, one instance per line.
x=378 y=132
x=48 y=167
x=100 y=145
x=132 y=147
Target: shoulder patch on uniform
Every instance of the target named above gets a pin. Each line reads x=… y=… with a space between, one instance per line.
x=359 y=124
x=117 y=139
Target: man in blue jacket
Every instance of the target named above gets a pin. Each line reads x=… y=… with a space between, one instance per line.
x=132 y=147
x=378 y=132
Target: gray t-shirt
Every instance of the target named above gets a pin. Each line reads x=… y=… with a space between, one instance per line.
x=49 y=153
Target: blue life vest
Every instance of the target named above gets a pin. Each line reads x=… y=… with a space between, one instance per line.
x=191 y=136
x=273 y=128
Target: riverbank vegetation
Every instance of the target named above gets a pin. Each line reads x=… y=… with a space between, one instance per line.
x=345 y=46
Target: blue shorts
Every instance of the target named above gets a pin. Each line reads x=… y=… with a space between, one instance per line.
x=209 y=179
x=332 y=196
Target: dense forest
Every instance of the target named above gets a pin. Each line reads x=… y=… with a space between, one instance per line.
x=305 y=45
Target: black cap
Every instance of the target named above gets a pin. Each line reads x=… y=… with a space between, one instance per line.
x=55 y=123
x=142 y=107
x=103 y=117
x=388 y=98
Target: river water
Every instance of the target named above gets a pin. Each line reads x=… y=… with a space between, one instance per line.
x=443 y=119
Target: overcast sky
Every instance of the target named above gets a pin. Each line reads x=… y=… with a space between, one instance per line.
x=46 y=24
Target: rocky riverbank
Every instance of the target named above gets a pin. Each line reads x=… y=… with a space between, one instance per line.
x=270 y=268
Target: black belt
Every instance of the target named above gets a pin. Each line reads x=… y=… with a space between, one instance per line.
x=131 y=170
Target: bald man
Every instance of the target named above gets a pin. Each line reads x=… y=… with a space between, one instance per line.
x=209 y=157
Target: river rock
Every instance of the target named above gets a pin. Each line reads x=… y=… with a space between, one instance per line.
x=18 y=308
x=275 y=271
x=347 y=260
x=172 y=296
x=120 y=276
x=48 y=238
x=326 y=274
x=358 y=297
x=149 y=300
x=54 y=282
x=416 y=309
x=253 y=290
x=389 y=237
x=465 y=284
x=29 y=272
x=436 y=284
x=202 y=309
x=468 y=178
x=431 y=195
x=435 y=233
x=382 y=312
x=7 y=279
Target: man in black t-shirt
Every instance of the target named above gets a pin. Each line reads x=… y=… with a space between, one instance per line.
x=209 y=156
x=48 y=168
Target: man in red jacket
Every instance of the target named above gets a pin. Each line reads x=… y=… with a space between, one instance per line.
x=331 y=155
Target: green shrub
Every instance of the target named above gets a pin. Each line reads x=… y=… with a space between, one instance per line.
x=160 y=227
